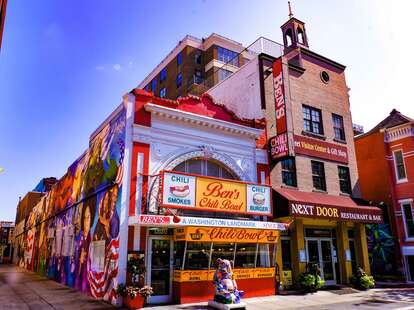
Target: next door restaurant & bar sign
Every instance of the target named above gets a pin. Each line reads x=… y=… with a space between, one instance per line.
x=184 y=191
x=363 y=214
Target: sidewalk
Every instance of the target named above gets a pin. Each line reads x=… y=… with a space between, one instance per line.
x=372 y=299
x=20 y=289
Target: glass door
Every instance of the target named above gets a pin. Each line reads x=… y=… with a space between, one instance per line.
x=313 y=252
x=320 y=252
x=327 y=266
x=160 y=269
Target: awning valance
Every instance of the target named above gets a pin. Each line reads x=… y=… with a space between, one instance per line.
x=324 y=206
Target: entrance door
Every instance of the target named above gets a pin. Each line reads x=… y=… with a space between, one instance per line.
x=160 y=257
x=320 y=251
x=327 y=264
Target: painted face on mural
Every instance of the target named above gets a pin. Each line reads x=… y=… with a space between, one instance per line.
x=86 y=221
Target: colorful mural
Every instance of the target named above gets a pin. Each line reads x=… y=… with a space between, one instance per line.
x=72 y=234
x=381 y=248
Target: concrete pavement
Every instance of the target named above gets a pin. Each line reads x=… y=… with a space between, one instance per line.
x=344 y=299
x=20 y=289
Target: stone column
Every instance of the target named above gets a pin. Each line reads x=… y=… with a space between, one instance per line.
x=361 y=247
x=342 y=242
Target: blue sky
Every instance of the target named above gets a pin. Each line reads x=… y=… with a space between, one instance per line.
x=64 y=65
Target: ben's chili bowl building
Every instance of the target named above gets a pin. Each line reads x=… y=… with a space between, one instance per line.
x=199 y=191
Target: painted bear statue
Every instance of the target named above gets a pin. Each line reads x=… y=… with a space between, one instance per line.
x=226 y=291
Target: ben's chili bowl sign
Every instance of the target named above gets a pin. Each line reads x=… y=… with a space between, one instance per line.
x=212 y=194
x=353 y=214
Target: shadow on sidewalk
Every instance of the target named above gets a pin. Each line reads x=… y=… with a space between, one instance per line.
x=402 y=295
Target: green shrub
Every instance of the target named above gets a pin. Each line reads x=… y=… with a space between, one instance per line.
x=311 y=280
x=361 y=280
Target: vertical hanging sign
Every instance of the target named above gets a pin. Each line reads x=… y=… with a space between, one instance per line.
x=279 y=146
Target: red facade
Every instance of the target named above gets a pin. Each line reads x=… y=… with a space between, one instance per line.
x=385 y=157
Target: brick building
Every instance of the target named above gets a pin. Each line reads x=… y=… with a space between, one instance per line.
x=304 y=99
x=6 y=241
x=387 y=177
x=194 y=66
x=24 y=209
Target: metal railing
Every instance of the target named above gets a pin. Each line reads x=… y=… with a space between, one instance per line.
x=260 y=46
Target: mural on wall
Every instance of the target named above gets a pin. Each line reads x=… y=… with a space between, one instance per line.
x=72 y=234
x=381 y=247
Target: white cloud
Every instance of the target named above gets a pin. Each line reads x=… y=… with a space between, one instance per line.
x=116 y=67
x=100 y=68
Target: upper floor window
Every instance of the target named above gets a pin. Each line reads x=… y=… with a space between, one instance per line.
x=289 y=172
x=154 y=85
x=312 y=120
x=227 y=56
x=163 y=75
x=198 y=77
x=179 y=80
x=179 y=58
x=408 y=219
x=399 y=166
x=338 y=126
x=318 y=175
x=205 y=167
x=223 y=74
x=163 y=92
x=197 y=58
x=344 y=179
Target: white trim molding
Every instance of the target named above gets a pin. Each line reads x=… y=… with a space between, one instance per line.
x=399 y=132
x=201 y=120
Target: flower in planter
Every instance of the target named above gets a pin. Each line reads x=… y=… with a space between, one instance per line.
x=310 y=279
x=361 y=280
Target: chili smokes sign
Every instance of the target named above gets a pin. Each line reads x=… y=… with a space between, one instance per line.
x=279 y=145
x=183 y=191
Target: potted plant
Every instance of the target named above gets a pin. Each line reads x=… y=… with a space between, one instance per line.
x=361 y=280
x=310 y=280
x=134 y=296
x=136 y=293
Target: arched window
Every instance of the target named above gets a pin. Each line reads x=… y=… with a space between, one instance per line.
x=289 y=37
x=205 y=167
x=301 y=36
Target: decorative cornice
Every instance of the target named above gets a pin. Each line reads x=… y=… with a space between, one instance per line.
x=201 y=120
x=323 y=59
x=399 y=132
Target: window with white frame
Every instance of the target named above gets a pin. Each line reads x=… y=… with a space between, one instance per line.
x=408 y=219
x=399 y=166
x=205 y=167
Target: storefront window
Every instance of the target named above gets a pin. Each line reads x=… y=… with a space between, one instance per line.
x=223 y=251
x=179 y=248
x=197 y=255
x=266 y=255
x=245 y=255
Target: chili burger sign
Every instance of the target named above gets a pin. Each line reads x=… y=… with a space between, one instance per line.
x=184 y=191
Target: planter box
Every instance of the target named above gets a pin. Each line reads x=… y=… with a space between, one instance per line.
x=136 y=303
